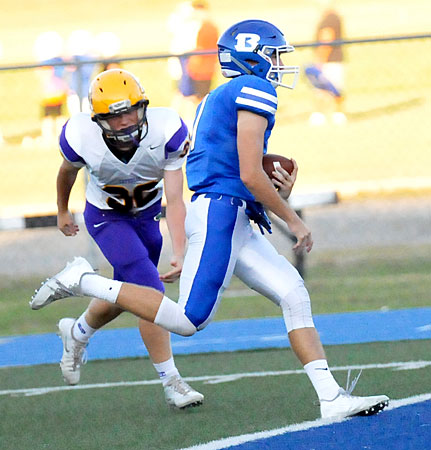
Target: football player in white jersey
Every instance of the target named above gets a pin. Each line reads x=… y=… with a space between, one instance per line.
x=224 y=169
x=130 y=151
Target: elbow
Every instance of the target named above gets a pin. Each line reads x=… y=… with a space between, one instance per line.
x=250 y=179
x=247 y=178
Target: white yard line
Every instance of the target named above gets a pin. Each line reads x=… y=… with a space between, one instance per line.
x=211 y=379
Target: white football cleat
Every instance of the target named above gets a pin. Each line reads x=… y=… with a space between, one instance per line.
x=64 y=284
x=74 y=353
x=346 y=405
x=180 y=395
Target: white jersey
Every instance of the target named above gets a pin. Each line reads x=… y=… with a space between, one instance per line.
x=131 y=186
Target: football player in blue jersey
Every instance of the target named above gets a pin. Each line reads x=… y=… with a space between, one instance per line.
x=224 y=169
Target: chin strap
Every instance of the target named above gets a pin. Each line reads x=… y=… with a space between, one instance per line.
x=241 y=65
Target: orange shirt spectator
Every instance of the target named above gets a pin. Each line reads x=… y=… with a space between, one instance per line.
x=202 y=67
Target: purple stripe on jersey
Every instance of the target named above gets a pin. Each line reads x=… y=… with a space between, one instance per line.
x=66 y=149
x=177 y=139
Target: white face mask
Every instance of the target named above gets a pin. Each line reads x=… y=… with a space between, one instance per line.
x=278 y=70
x=128 y=137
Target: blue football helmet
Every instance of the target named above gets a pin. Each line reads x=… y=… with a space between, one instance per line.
x=254 y=47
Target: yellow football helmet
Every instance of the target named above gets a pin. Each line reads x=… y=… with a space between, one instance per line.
x=115 y=92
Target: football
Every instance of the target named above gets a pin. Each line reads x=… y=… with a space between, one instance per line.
x=270 y=161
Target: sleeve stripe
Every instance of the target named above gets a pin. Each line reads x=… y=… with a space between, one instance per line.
x=257 y=93
x=66 y=150
x=255 y=104
x=177 y=139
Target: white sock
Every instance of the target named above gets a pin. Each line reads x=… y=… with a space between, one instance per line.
x=81 y=331
x=166 y=370
x=322 y=380
x=94 y=285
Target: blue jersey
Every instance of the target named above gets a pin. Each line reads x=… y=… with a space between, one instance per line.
x=213 y=163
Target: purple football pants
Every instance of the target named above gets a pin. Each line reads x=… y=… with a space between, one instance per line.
x=131 y=243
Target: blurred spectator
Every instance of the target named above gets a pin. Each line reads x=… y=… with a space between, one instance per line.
x=107 y=46
x=192 y=29
x=79 y=49
x=327 y=74
x=201 y=68
x=48 y=49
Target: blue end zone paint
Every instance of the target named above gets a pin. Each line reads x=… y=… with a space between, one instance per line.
x=334 y=329
x=391 y=429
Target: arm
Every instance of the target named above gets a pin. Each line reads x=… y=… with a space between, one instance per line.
x=66 y=178
x=175 y=217
x=251 y=130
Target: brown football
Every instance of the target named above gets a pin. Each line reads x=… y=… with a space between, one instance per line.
x=269 y=159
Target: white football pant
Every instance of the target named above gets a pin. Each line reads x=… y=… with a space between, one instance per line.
x=222 y=242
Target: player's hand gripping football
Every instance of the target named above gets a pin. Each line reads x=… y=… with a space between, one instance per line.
x=283 y=180
x=66 y=224
x=174 y=274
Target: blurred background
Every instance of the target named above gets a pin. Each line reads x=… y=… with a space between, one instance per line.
x=366 y=136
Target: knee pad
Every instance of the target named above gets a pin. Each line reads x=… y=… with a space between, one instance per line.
x=183 y=326
x=296 y=307
x=171 y=317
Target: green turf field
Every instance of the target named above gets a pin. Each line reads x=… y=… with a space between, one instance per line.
x=135 y=417
x=245 y=391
